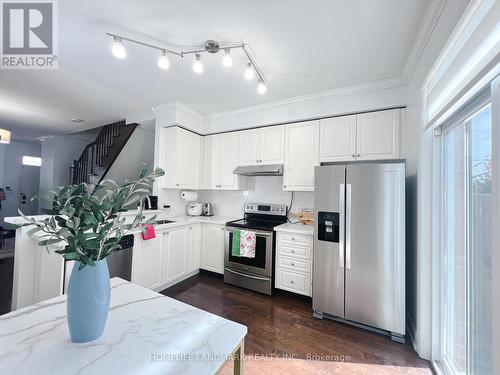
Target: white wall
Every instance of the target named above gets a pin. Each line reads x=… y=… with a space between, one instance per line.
x=265 y=190
x=12 y=166
x=137 y=151
x=58 y=153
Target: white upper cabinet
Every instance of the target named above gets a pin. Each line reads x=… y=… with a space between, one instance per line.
x=262 y=146
x=378 y=135
x=338 y=138
x=301 y=155
x=211 y=162
x=249 y=147
x=367 y=136
x=271 y=144
x=180 y=158
x=220 y=160
x=229 y=161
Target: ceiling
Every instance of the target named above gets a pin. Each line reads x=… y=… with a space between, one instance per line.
x=301 y=46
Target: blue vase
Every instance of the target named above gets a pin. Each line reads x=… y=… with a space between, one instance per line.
x=88 y=301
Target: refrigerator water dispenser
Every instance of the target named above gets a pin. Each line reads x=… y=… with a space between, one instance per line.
x=328 y=226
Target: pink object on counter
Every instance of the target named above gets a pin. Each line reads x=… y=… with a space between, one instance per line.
x=149 y=233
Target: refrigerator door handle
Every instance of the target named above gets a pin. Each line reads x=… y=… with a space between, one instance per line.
x=341 y=225
x=348 y=212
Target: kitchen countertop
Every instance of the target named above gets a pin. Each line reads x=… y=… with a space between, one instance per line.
x=295 y=228
x=146 y=332
x=176 y=220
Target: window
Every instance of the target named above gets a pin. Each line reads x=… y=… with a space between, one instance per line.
x=467 y=233
x=32 y=160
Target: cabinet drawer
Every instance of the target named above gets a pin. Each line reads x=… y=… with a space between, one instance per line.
x=297 y=239
x=304 y=252
x=293 y=264
x=293 y=282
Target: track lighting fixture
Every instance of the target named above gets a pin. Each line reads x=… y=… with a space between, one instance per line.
x=118 y=49
x=163 y=62
x=198 y=65
x=227 y=60
x=211 y=46
x=249 y=72
x=261 y=87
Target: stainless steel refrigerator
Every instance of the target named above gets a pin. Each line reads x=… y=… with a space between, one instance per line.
x=359 y=250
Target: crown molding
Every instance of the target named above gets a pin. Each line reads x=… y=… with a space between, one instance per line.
x=319 y=96
x=429 y=21
x=178 y=105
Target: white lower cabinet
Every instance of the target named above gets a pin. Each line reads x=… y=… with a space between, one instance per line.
x=294 y=253
x=173 y=254
x=167 y=259
x=146 y=264
x=212 y=248
x=193 y=247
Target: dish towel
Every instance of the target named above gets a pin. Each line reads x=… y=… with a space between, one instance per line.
x=148 y=232
x=248 y=240
x=235 y=245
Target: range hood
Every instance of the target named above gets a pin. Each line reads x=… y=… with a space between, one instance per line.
x=260 y=170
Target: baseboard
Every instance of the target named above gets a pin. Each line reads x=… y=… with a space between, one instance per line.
x=162 y=287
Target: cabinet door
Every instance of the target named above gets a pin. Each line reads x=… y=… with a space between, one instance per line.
x=188 y=160
x=272 y=145
x=378 y=135
x=337 y=139
x=301 y=156
x=228 y=161
x=212 y=248
x=168 y=157
x=176 y=253
x=193 y=245
x=148 y=263
x=211 y=167
x=248 y=147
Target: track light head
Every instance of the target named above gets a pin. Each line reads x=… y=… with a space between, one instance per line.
x=163 y=62
x=118 y=49
x=227 y=60
x=197 y=65
x=249 y=72
x=261 y=87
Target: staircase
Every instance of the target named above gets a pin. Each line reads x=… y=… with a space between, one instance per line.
x=98 y=156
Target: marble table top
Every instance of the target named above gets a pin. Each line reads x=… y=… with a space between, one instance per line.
x=146 y=333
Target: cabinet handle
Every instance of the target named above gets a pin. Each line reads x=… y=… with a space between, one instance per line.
x=293 y=238
x=293 y=251
x=353 y=155
x=176 y=184
x=293 y=264
x=284 y=186
x=292 y=282
x=359 y=155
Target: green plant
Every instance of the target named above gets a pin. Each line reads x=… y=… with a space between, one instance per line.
x=86 y=217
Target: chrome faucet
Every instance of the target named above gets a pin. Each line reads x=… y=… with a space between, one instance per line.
x=141 y=206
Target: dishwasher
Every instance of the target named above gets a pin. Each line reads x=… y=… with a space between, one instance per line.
x=119 y=262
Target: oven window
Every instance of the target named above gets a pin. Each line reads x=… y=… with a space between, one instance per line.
x=260 y=254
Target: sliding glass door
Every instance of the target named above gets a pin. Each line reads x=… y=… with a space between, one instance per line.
x=467 y=232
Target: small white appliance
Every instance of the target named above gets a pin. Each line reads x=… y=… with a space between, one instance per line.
x=194 y=209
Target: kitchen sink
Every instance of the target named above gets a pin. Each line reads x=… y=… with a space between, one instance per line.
x=164 y=222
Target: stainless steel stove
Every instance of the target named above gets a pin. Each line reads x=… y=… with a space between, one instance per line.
x=254 y=273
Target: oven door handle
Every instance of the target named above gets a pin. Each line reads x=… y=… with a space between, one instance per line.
x=246 y=275
x=257 y=233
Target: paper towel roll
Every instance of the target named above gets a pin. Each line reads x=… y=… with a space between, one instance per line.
x=189 y=196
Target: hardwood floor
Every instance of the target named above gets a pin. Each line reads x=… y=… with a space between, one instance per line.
x=284 y=338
